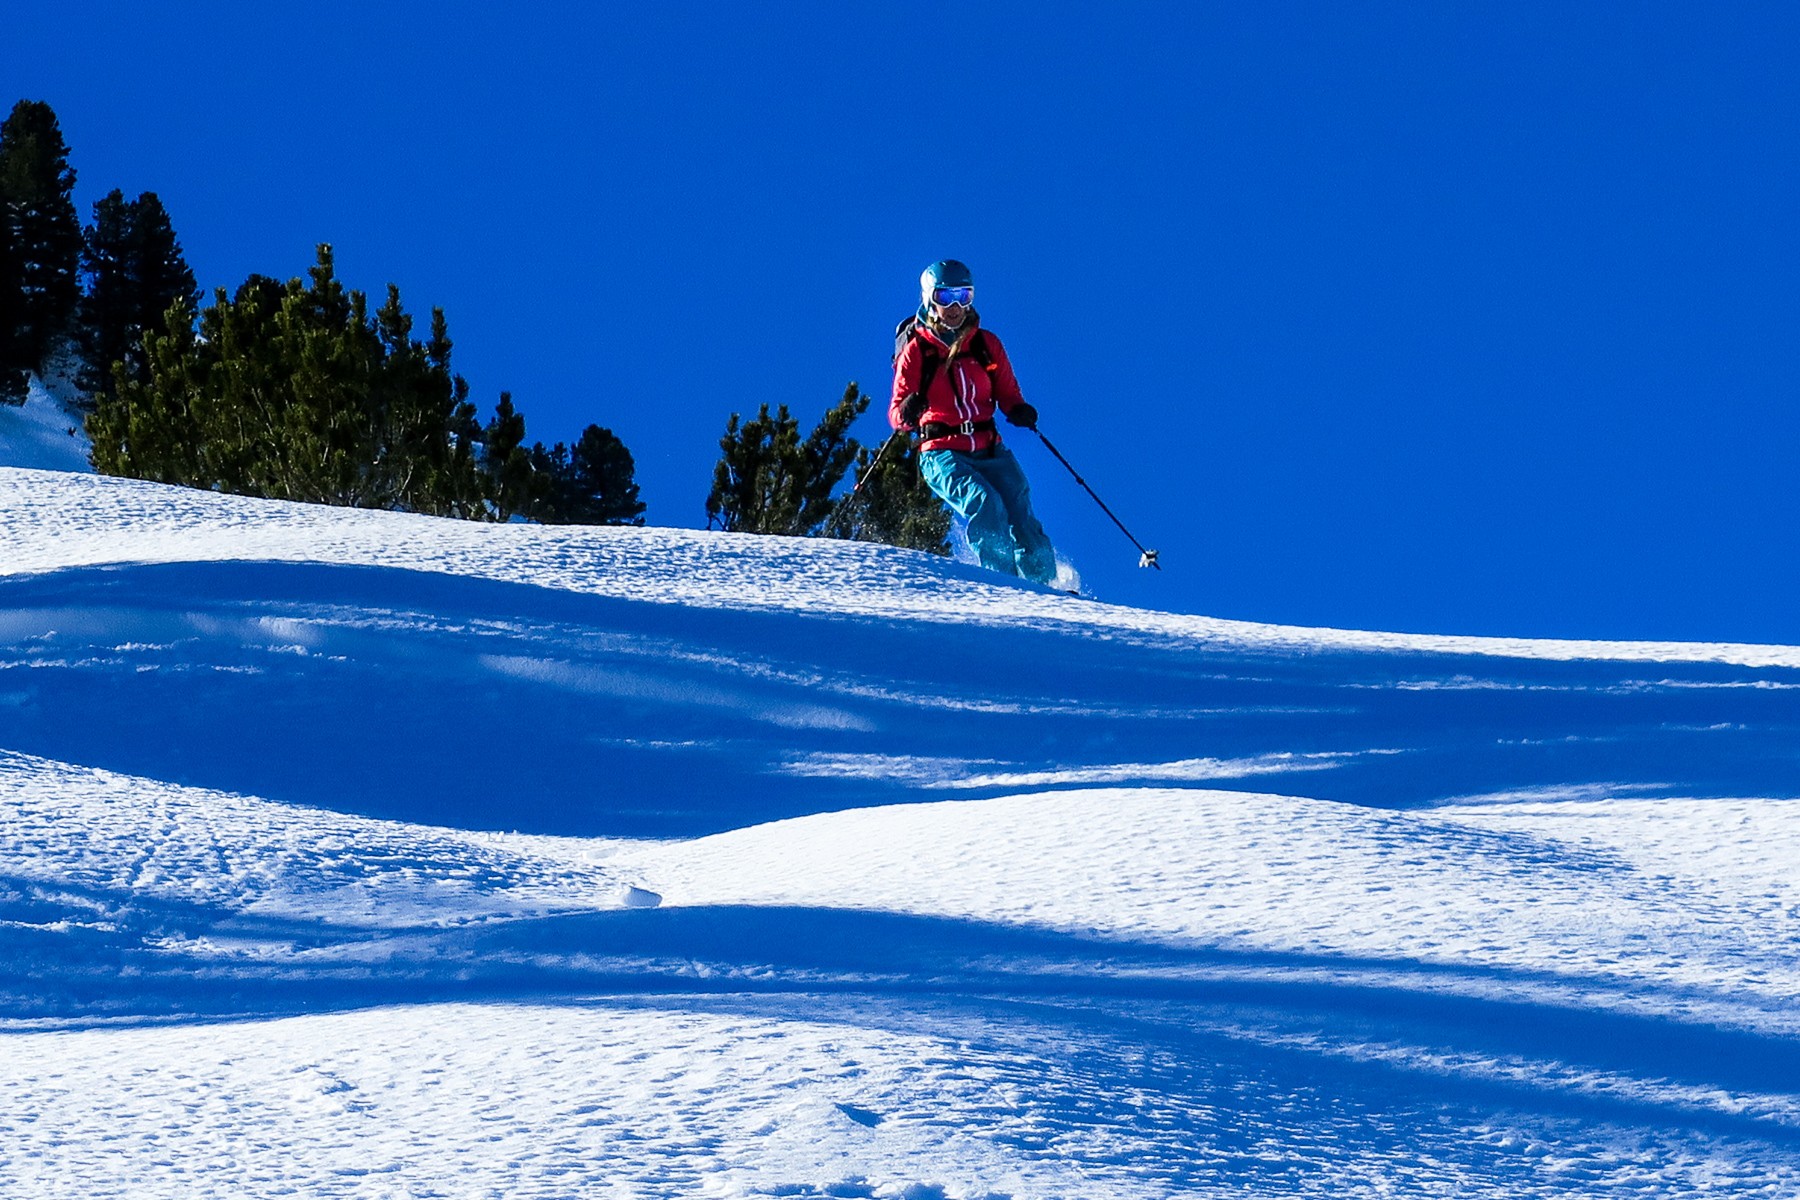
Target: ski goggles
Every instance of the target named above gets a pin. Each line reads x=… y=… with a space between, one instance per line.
x=956 y=295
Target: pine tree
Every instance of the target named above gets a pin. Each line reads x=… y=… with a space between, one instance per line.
x=423 y=429
x=753 y=479
x=294 y=391
x=135 y=271
x=592 y=483
x=895 y=506
x=108 y=314
x=297 y=391
x=605 y=479
x=162 y=272
x=829 y=452
x=768 y=481
x=36 y=203
x=12 y=373
x=517 y=486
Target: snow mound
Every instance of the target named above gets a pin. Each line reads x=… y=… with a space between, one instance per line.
x=60 y=521
x=364 y=854
x=521 y=1101
x=46 y=432
x=101 y=833
x=1697 y=897
x=1119 y=992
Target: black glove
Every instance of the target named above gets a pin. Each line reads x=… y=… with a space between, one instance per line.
x=911 y=409
x=1023 y=415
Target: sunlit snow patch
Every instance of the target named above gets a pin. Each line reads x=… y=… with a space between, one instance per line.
x=636 y=685
x=1653 y=893
x=59 y=521
x=1557 y=793
x=954 y=773
x=104 y=834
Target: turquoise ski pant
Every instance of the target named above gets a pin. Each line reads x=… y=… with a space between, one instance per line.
x=991 y=494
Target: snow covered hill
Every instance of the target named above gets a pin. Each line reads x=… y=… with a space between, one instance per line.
x=46 y=432
x=363 y=854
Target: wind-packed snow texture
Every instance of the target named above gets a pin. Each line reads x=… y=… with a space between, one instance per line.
x=363 y=854
x=46 y=431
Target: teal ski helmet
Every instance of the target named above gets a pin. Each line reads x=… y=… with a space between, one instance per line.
x=945 y=273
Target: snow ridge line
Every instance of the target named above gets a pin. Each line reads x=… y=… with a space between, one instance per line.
x=53 y=521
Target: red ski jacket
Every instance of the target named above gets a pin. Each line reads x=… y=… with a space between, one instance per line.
x=962 y=391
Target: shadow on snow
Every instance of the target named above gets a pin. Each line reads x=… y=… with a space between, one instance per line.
x=1178 y=1015
x=447 y=700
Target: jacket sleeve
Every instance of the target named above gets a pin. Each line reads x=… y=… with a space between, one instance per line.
x=907 y=371
x=1006 y=388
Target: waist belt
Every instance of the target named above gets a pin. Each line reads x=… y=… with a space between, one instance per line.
x=930 y=431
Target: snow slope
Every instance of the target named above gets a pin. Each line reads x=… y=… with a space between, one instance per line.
x=359 y=854
x=80 y=523
x=46 y=432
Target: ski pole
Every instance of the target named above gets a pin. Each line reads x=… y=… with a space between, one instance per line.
x=844 y=504
x=1146 y=558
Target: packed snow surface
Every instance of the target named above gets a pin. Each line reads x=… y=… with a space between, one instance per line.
x=362 y=854
x=46 y=432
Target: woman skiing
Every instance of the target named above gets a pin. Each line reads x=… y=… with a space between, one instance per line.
x=949 y=376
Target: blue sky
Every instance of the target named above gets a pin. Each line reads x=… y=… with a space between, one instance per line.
x=1445 y=318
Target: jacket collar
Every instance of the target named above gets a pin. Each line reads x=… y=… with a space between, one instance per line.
x=939 y=336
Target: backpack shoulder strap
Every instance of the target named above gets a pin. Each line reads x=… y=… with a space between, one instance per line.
x=908 y=331
x=903 y=333
x=984 y=354
x=978 y=346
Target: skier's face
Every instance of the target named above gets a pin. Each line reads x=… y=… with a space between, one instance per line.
x=952 y=315
x=951 y=304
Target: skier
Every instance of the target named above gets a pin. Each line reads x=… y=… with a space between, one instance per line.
x=949 y=375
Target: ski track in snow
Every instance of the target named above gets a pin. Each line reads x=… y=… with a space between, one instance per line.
x=269 y=928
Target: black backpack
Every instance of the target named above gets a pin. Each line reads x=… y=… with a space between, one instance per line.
x=908 y=329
